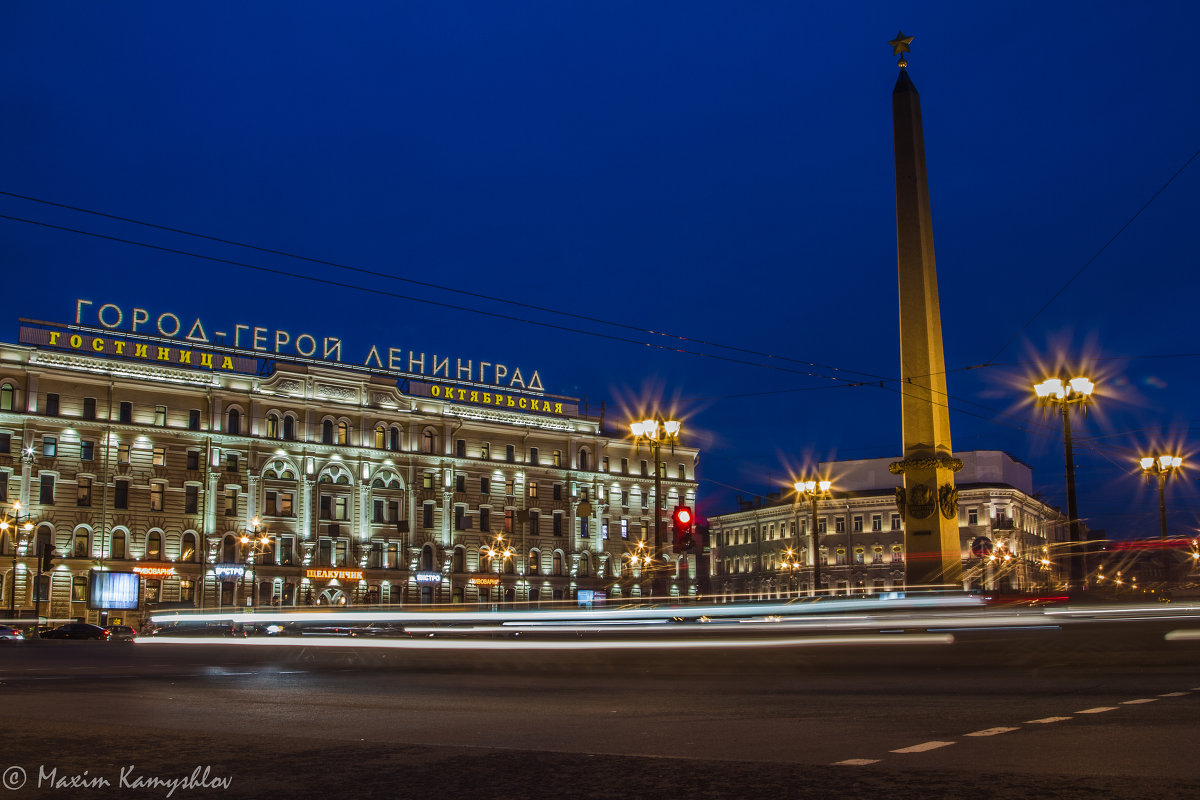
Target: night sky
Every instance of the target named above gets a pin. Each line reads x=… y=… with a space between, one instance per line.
x=721 y=172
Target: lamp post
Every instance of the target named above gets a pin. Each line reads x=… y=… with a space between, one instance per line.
x=814 y=490
x=1160 y=468
x=655 y=432
x=497 y=550
x=256 y=542
x=18 y=527
x=1077 y=392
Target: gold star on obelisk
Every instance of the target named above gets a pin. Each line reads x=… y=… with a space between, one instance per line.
x=901 y=45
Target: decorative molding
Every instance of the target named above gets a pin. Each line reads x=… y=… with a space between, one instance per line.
x=336 y=392
x=948 y=500
x=936 y=462
x=289 y=385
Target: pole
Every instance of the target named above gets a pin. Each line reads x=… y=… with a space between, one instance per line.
x=658 y=575
x=816 y=546
x=37 y=593
x=1162 y=522
x=1075 y=556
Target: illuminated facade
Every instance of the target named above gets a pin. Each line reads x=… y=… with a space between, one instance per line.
x=1010 y=541
x=367 y=489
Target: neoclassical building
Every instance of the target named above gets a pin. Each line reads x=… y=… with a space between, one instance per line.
x=1011 y=541
x=159 y=462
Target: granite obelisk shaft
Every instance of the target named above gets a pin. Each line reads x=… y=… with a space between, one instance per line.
x=928 y=500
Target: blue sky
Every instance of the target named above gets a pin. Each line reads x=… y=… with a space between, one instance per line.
x=716 y=171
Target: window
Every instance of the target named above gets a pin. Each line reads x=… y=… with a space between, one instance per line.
x=46 y=490
x=89 y=408
x=79 y=548
x=5 y=442
x=156 y=496
x=895 y=522
x=533 y=455
x=460 y=448
x=122 y=454
x=583 y=460
x=51 y=405
x=341 y=507
x=857 y=520
x=557 y=491
x=116 y=546
x=193 y=459
x=534 y=522
x=233 y=422
x=557 y=460
x=160 y=416
x=191 y=499
x=427 y=480
x=532 y=488
x=8 y=397
x=194 y=419
x=876 y=522
x=231 y=462
x=460 y=483
x=822 y=525
x=534 y=558
x=973 y=516
x=877 y=555
x=583 y=526
x=125 y=412
x=625 y=498
x=897 y=553
x=460 y=513
x=159 y=457
x=508 y=487
x=485 y=519
x=508 y=520
x=485 y=450
x=860 y=556
x=557 y=563
x=427 y=515
x=841 y=555
x=49 y=446
x=510 y=453
x=187 y=547
x=343 y=433
x=376 y=509
x=287 y=554
x=153 y=589
x=839 y=524
x=327 y=432
x=557 y=524
x=289 y=427
x=624 y=466
x=83 y=491
x=429 y=439
x=645 y=468
x=79 y=589
x=485 y=486
x=154 y=545
x=187 y=591
x=272 y=426
x=682 y=473
x=121 y=494
x=326 y=504
x=231 y=501
x=4 y=477
x=87 y=451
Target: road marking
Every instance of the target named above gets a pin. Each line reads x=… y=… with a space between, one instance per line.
x=1046 y=720
x=1097 y=710
x=1175 y=694
x=991 y=731
x=921 y=748
x=1139 y=702
x=856 y=762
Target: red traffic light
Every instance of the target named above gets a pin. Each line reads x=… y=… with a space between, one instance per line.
x=683 y=516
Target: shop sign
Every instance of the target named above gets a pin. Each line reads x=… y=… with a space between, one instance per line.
x=229 y=570
x=426 y=576
x=485 y=581
x=334 y=574
x=154 y=572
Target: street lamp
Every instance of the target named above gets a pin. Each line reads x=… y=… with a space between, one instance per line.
x=1162 y=467
x=18 y=527
x=256 y=542
x=814 y=490
x=498 y=551
x=655 y=432
x=1077 y=392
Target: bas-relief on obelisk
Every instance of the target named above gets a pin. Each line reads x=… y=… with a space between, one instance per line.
x=928 y=500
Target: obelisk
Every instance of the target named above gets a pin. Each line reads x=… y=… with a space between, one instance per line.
x=928 y=501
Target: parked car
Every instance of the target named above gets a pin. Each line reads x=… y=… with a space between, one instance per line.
x=77 y=630
x=120 y=633
x=8 y=634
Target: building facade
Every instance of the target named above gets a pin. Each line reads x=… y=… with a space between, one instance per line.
x=1010 y=540
x=307 y=484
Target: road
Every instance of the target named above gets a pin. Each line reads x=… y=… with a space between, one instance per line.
x=1108 y=711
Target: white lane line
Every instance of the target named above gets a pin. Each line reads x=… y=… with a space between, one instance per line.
x=1046 y=720
x=856 y=762
x=991 y=731
x=921 y=748
x=1175 y=694
x=1097 y=710
x=1139 y=702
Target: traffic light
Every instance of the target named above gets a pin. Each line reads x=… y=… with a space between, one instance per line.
x=46 y=562
x=684 y=522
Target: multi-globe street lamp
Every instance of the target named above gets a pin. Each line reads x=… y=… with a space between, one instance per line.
x=655 y=432
x=1160 y=468
x=1063 y=396
x=19 y=528
x=253 y=542
x=813 y=491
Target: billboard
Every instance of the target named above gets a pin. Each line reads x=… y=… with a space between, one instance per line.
x=114 y=590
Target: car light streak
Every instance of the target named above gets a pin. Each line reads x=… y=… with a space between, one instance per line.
x=1183 y=636
x=526 y=645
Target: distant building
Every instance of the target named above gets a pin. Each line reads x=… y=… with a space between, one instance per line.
x=153 y=456
x=764 y=549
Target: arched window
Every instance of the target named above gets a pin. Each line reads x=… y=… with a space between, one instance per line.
x=343 y=433
x=116 y=547
x=8 y=397
x=233 y=424
x=154 y=546
x=394 y=439
x=460 y=558
x=187 y=548
x=427 y=557
x=558 y=563
x=429 y=438
x=289 y=427
x=535 y=562
x=229 y=554
x=380 y=437
x=583 y=460
x=272 y=426
x=327 y=432
x=585 y=565
x=80 y=548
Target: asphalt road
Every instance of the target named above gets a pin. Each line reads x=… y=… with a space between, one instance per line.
x=1107 y=712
